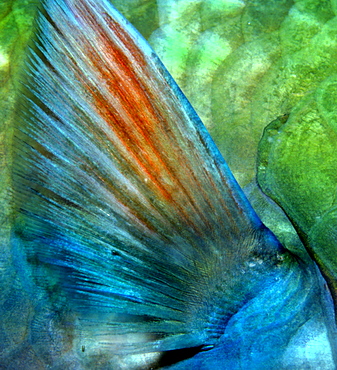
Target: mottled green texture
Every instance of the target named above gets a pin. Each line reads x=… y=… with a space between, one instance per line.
x=298 y=168
x=242 y=64
x=143 y=14
x=15 y=30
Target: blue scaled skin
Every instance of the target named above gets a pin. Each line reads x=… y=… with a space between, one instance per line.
x=132 y=245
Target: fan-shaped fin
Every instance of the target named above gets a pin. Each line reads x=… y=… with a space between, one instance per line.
x=129 y=214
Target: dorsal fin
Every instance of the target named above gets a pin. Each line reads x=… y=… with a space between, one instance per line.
x=129 y=214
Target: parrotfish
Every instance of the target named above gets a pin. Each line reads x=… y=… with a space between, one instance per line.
x=133 y=246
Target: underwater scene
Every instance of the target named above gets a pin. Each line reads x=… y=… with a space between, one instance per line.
x=168 y=184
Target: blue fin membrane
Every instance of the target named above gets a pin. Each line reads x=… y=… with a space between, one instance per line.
x=128 y=214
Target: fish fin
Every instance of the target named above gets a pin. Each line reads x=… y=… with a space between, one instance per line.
x=128 y=212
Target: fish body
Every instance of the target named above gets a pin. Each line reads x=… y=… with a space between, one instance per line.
x=132 y=244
